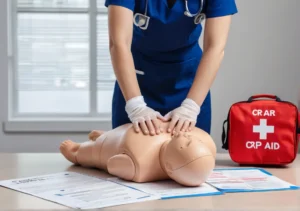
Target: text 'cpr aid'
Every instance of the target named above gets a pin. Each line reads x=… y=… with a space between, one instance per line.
x=259 y=144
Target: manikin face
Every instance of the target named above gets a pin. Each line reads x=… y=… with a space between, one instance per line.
x=183 y=148
x=187 y=159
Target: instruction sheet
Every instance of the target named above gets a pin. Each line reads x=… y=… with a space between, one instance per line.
x=247 y=179
x=168 y=189
x=77 y=191
x=81 y=191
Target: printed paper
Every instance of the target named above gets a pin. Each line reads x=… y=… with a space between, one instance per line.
x=246 y=179
x=77 y=191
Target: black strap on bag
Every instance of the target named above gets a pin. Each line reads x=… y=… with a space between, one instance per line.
x=224 y=136
x=254 y=97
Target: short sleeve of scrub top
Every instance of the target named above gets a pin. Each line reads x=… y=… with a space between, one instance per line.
x=129 y=4
x=218 y=8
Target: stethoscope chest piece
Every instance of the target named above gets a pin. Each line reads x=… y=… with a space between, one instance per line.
x=199 y=18
x=141 y=21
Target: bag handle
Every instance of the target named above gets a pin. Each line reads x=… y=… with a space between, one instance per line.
x=264 y=96
x=224 y=137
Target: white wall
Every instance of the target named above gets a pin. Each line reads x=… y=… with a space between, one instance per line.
x=263 y=47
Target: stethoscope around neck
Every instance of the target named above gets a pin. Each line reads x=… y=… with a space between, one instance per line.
x=142 y=20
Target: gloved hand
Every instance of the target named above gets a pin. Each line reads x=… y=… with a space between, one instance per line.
x=142 y=116
x=184 y=116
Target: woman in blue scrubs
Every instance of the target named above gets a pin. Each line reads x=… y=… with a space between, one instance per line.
x=162 y=73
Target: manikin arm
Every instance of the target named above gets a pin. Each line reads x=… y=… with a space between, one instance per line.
x=95 y=134
x=121 y=166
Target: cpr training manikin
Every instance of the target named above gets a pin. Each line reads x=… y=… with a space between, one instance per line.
x=187 y=157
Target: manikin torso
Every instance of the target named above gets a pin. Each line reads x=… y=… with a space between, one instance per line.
x=142 y=158
x=143 y=151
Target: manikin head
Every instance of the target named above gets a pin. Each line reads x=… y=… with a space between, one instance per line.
x=189 y=160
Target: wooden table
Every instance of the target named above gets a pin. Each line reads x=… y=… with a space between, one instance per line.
x=26 y=165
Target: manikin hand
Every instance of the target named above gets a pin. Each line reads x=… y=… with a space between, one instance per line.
x=142 y=116
x=184 y=118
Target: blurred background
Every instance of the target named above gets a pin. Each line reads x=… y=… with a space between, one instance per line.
x=56 y=78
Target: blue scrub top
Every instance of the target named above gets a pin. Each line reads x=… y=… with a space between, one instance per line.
x=169 y=29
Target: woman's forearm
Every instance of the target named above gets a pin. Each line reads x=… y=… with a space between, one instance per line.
x=215 y=38
x=124 y=69
x=206 y=74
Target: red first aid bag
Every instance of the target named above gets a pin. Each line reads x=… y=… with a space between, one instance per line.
x=262 y=131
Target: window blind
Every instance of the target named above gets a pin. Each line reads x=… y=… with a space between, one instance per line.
x=52 y=60
x=53 y=51
x=106 y=76
x=47 y=60
x=54 y=3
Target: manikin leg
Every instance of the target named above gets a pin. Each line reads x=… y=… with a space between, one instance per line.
x=85 y=154
x=69 y=149
x=81 y=154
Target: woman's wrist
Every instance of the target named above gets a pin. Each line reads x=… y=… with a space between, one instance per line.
x=133 y=103
x=191 y=105
x=131 y=94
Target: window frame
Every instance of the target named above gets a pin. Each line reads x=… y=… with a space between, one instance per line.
x=36 y=122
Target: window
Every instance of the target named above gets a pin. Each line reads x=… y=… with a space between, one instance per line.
x=60 y=62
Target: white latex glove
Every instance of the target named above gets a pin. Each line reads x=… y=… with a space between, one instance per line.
x=184 y=117
x=142 y=116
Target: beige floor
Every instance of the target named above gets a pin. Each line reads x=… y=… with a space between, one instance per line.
x=26 y=165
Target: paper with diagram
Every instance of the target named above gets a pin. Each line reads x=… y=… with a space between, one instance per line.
x=247 y=180
x=77 y=191
x=170 y=189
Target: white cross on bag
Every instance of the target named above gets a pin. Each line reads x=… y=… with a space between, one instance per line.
x=263 y=129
